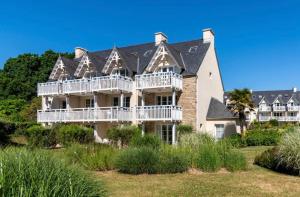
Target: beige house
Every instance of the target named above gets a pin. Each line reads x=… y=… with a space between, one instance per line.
x=156 y=85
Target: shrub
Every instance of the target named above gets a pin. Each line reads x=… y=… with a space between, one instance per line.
x=236 y=140
x=268 y=159
x=93 y=156
x=208 y=158
x=137 y=161
x=67 y=134
x=184 y=129
x=40 y=136
x=194 y=140
x=274 y=123
x=123 y=133
x=36 y=173
x=172 y=160
x=148 y=140
x=289 y=151
x=235 y=161
x=262 y=137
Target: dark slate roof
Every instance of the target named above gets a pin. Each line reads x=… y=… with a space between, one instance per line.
x=189 y=56
x=70 y=65
x=271 y=95
x=218 y=111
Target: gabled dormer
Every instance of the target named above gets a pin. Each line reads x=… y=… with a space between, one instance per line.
x=120 y=63
x=63 y=69
x=278 y=101
x=165 y=59
x=87 y=66
x=293 y=101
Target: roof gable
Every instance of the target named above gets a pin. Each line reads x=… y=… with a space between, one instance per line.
x=218 y=111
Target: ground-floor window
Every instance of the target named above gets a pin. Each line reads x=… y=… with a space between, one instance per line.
x=220 y=131
x=165 y=133
x=292 y=114
x=277 y=114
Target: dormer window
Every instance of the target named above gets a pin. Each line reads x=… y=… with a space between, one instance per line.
x=120 y=72
x=166 y=69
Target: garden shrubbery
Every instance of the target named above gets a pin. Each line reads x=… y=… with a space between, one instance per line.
x=40 y=136
x=149 y=140
x=67 y=134
x=123 y=134
x=285 y=157
x=98 y=157
x=36 y=173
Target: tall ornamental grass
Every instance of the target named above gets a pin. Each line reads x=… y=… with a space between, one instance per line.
x=92 y=156
x=35 y=173
x=289 y=151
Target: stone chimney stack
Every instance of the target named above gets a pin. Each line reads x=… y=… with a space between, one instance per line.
x=208 y=35
x=79 y=52
x=160 y=37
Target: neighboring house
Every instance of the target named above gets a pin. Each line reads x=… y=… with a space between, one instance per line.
x=156 y=85
x=281 y=105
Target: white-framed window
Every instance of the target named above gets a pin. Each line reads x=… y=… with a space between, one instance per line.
x=126 y=101
x=277 y=114
x=220 y=131
x=120 y=71
x=164 y=131
x=89 y=103
x=294 y=114
x=163 y=100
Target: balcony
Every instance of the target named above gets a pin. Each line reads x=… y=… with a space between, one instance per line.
x=265 y=108
x=292 y=118
x=159 y=82
x=293 y=108
x=106 y=84
x=103 y=114
x=49 y=88
x=264 y=118
x=279 y=108
x=159 y=113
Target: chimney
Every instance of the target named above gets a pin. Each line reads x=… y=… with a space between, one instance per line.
x=160 y=37
x=251 y=91
x=208 y=35
x=79 y=52
x=294 y=89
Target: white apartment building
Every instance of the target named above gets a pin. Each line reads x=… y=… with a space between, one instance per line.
x=155 y=85
x=281 y=105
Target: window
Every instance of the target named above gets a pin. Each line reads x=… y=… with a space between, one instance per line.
x=166 y=69
x=277 y=114
x=293 y=114
x=219 y=131
x=210 y=75
x=164 y=100
x=126 y=101
x=63 y=105
x=121 y=71
x=115 y=101
x=89 y=103
x=165 y=133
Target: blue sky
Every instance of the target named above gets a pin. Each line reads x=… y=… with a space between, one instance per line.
x=258 y=41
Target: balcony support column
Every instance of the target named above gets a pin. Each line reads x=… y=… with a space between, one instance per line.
x=96 y=100
x=143 y=128
x=173 y=97
x=174 y=133
x=68 y=102
x=122 y=100
x=143 y=99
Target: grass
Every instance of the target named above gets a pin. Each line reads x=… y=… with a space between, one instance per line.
x=256 y=181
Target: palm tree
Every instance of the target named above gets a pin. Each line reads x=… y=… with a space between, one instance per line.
x=240 y=103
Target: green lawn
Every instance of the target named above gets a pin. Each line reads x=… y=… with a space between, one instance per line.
x=256 y=181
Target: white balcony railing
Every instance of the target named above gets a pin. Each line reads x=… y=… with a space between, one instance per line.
x=279 y=108
x=85 y=115
x=264 y=118
x=280 y=118
x=114 y=82
x=49 y=88
x=159 y=112
x=265 y=108
x=293 y=108
x=96 y=84
x=159 y=80
x=76 y=86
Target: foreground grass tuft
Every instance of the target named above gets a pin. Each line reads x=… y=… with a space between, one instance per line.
x=36 y=173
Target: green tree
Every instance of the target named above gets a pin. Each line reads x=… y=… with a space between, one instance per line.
x=240 y=103
x=29 y=112
x=20 y=75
